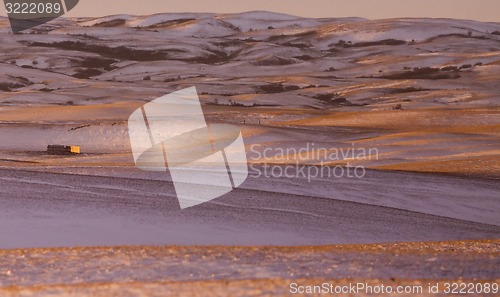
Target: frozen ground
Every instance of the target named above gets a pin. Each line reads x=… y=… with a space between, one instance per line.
x=41 y=209
x=243 y=271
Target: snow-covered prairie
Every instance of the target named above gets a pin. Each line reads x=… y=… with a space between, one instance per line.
x=423 y=93
x=421 y=90
x=242 y=271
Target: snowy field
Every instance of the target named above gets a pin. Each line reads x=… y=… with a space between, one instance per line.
x=243 y=271
x=423 y=92
x=41 y=209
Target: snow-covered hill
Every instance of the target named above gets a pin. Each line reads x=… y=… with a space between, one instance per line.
x=373 y=76
x=254 y=57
